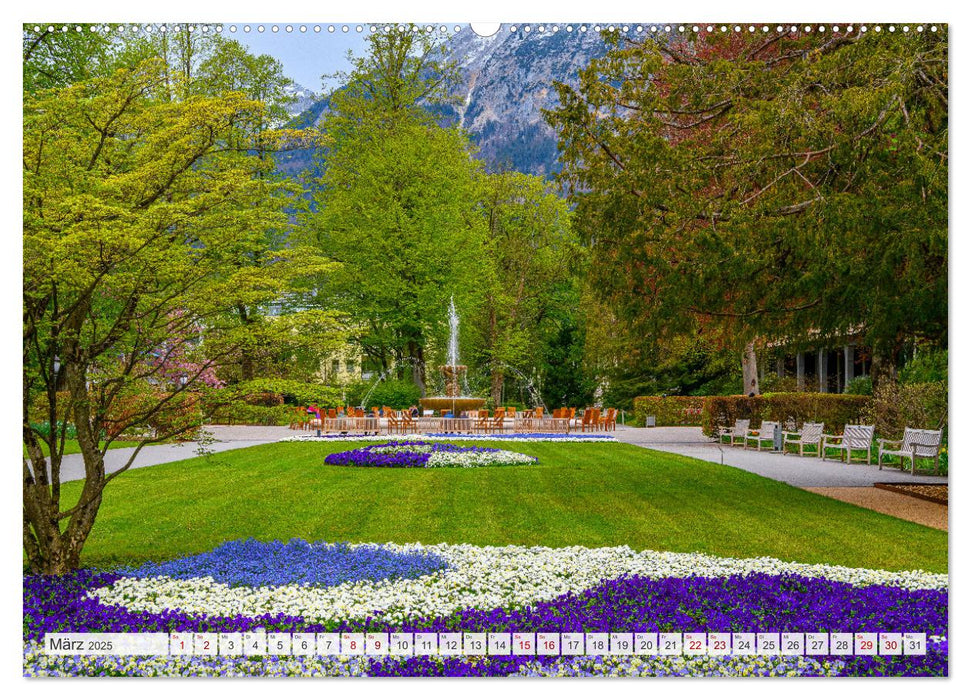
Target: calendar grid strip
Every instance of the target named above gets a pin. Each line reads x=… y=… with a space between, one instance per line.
x=263 y=643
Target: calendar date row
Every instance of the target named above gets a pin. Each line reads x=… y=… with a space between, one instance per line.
x=262 y=643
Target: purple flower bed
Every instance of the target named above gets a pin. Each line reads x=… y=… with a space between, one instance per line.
x=254 y=563
x=751 y=603
x=59 y=604
x=402 y=457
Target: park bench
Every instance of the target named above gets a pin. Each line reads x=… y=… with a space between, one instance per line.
x=916 y=443
x=765 y=433
x=739 y=430
x=811 y=434
x=854 y=437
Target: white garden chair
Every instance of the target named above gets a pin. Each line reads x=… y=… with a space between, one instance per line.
x=739 y=431
x=854 y=437
x=766 y=433
x=811 y=434
x=915 y=443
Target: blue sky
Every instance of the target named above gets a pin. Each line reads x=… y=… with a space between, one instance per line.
x=305 y=55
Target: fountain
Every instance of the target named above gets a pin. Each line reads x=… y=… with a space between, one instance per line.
x=454 y=374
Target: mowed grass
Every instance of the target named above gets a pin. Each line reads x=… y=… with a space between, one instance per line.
x=579 y=494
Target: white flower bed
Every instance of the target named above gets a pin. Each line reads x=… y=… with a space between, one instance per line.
x=502 y=458
x=497 y=458
x=480 y=577
x=517 y=437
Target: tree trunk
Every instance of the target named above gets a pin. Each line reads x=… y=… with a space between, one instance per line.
x=496 y=389
x=417 y=356
x=247 y=371
x=50 y=549
x=882 y=370
x=750 y=371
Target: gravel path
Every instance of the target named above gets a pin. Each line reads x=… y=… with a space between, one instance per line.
x=896 y=504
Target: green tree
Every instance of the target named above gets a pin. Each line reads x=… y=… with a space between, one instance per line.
x=532 y=253
x=743 y=186
x=297 y=329
x=397 y=204
x=65 y=56
x=134 y=215
x=562 y=371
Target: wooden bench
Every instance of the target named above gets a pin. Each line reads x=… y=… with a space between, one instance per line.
x=739 y=430
x=915 y=443
x=766 y=432
x=854 y=437
x=811 y=434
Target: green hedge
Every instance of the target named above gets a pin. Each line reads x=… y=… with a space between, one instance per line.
x=265 y=392
x=241 y=413
x=669 y=410
x=833 y=410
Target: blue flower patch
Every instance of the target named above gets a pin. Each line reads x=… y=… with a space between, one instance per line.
x=253 y=563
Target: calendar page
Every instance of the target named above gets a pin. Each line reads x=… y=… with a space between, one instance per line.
x=524 y=349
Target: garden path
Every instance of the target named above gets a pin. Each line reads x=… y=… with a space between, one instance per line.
x=804 y=472
x=228 y=437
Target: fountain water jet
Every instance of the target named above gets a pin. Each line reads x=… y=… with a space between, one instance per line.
x=454 y=374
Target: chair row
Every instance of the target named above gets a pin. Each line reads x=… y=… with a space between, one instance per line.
x=915 y=444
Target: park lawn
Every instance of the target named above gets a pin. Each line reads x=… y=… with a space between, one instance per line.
x=595 y=494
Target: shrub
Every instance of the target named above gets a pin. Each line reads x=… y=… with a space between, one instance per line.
x=44 y=428
x=241 y=413
x=265 y=401
x=39 y=410
x=790 y=409
x=928 y=366
x=718 y=411
x=773 y=383
x=273 y=392
x=180 y=414
x=264 y=398
x=396 y=393
x=860 y=386
x=669 y=410
x=895 y=406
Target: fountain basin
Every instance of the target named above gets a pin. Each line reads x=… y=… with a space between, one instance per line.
x=450 y=403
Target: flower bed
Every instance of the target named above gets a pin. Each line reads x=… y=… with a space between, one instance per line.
x=254 y=563
x=515 y=437
x=482 y=589
x=428 y=455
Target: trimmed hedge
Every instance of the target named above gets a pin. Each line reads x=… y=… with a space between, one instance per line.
x=669 y=410
x=272 y=392
x=241 y=413
x=265 y=401
x=833 y=410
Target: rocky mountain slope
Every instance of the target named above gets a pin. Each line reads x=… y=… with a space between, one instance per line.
x=507 y=80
